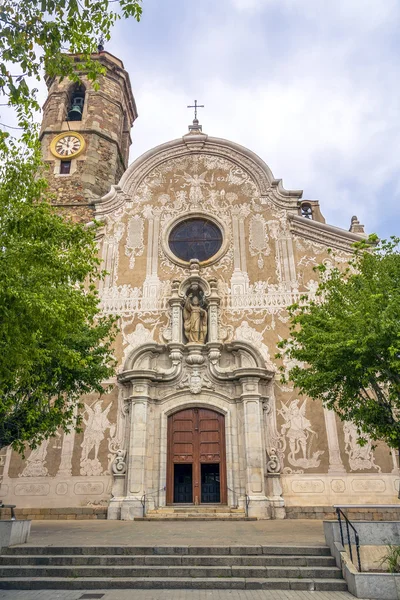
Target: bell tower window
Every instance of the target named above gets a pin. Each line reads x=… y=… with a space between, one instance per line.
x=306 y=211
x=75 y=109
x=65 y=167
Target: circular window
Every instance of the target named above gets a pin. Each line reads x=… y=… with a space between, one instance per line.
x=195 y=238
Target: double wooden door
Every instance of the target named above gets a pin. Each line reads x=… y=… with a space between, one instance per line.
x=196 y=464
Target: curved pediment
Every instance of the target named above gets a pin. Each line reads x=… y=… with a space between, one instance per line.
x=198 y=153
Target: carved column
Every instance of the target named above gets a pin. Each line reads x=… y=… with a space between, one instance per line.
x=213 y=309
x=151 y=283
x=335 y=461
x=67 y=449
x=240 y=278
x=137 y=448
x=255 y=473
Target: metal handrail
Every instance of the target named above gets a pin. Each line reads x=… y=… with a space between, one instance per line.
x=11 y=507
x=247 y=505
x=235 y=496
x=357 y=539
x=143 y=498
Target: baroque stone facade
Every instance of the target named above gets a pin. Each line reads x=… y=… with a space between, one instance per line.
x=197 y=335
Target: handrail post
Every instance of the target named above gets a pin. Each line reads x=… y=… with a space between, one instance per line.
x=338 y=511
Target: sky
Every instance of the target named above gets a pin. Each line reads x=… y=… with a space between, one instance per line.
x=311 y=86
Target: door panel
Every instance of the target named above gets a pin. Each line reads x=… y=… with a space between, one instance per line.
x=183 y=484
x=196 y=437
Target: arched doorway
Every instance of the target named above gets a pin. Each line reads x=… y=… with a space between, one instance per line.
x=196 y=457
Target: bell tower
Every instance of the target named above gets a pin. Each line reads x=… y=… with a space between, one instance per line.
x=85 y=135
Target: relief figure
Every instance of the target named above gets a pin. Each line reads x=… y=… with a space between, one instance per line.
x=36 y=462
x=297 y=430
x=360 y=457
x=96 y=425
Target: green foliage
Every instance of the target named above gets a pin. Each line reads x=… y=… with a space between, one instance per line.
x=349 y=341
x=37 y=34
x=53 y=345
x=392 y=559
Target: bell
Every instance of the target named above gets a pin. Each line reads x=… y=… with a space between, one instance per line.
x=75 y=114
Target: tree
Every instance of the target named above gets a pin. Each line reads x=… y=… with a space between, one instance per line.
x=349 y=341
x=36 y=36
x=54 y=346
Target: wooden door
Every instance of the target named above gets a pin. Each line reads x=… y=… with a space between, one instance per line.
x=196 y=437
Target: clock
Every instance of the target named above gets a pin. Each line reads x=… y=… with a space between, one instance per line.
x=67 y=145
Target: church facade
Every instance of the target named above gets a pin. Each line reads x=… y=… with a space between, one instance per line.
x=204 y=251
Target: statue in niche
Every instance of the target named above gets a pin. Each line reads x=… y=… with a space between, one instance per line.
x=195 y=316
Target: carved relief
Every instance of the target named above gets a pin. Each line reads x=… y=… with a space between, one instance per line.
x=360 y=457
x=134 y=240
x=250 y=335
x=308 y=486
x=96 y=422
x=301 y=437
x=258 y=239
x=32 y=489
x=36 y=462
x=136 y=338
x=195 y=381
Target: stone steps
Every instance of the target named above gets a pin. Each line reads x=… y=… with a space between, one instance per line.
x=233 y=583
x=169 y=567
x=196 y=513
x=195 y=517
x=168 y=560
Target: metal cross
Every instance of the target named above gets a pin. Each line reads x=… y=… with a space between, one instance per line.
x=196 y=106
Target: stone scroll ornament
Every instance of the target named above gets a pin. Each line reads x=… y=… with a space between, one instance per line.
x=195 y=316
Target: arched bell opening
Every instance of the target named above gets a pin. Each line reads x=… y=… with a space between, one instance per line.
x=76 y=102
x=196 y=457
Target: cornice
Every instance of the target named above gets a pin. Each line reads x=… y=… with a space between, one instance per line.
x=321 y=233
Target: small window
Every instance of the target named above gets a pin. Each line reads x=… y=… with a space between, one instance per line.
x=306 y=211
x=65 y=167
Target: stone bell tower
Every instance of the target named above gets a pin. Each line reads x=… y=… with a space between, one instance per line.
x=85 y=135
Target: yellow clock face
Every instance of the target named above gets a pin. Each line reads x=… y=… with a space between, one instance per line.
x=67 y=145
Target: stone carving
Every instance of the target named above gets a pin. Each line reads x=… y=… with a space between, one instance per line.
x=310 y=486
x=360 y=457
x=32 y=489
x=297 y=430
x=134 y=240
x=194 y=317
x=259 y=239
x=195 y=381
x=338 y=486
x=61 y=489
x=273 y=462
x=82 y=488
x=368 y=485
x=96 y=424
x=119 y=464
x=139 y=336
x=36 y=461
x=248 y=334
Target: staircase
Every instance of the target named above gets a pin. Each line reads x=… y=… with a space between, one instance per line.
x=165 y=567
x=197 y=513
